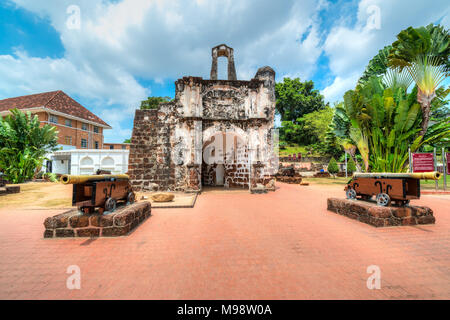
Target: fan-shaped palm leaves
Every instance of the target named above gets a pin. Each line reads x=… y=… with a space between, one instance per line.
x=424 y=53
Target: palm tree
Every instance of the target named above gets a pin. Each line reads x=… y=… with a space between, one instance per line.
x=424 y=53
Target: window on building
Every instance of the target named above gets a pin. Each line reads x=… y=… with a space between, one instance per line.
x=124 y=147
x=96 y=144
x=68 y=140
x=111 y=147
x=84 y=143
x=53 y=119
x=68 y=122
x=95 y=129
x=84 y=126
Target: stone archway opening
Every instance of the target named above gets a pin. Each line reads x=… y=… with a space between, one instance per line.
x=225 y=161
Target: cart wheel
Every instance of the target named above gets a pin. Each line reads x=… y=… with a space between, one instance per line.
x=351 y=194
x=383 y=199
x=110 y=204
x=131 y=198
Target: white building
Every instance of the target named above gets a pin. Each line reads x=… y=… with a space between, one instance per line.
x=88 y=161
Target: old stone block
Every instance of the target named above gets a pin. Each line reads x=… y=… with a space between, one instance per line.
x=12 y=189
x=124 y=218
x=58 y=221
x=409 y=221
x=102 y=220
x=379 y=212
x=429 y=219
x=48 y=233
x=64 y=233
x=163 y=197
x=115 y=231
x=79 y=221
x=88 y=232
x=402 y=212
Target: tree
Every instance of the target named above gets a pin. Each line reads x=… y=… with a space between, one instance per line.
x=424 y=53
x=333 y=167
x=153 y=102
x=351 y=166
x=24 y=144
x=385 y=122
x=296 y=98
x=127 y=141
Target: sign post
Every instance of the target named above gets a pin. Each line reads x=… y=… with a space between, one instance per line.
x=435 y=168
x=422 y=162
x=346 y=164
x=446 y=166
x=410 y=160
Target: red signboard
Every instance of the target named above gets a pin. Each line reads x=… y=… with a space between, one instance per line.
x=423 y=162
x=448 y=162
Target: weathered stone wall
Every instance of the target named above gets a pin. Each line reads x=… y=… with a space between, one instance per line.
x=167 y=144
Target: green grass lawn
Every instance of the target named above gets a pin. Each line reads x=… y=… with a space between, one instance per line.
x=430 y=184
x=294 y=149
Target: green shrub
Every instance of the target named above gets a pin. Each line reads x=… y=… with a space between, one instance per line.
x=50 y=176
x=351 y=166
x=333 y=167
x=23 y=145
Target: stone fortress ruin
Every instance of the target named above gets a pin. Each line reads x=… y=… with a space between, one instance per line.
x=214 y=133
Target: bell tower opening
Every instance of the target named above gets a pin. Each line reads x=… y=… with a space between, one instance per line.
x=223 y=51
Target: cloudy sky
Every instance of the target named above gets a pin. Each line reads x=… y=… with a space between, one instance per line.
x=110 y=55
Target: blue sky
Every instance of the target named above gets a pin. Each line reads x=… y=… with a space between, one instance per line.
x=123 y=51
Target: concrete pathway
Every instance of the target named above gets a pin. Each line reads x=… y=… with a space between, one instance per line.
x=281 y=245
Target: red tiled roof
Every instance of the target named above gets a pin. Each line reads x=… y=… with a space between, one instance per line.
x=54 y=100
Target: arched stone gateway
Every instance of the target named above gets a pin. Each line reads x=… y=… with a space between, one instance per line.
x=169 y=144
x=225 y=160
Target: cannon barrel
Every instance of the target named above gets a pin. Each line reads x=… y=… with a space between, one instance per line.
x=74 y=179
x=435 y=175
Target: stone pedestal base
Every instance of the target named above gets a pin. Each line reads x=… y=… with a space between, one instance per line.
x=73 y=223
x=378 y=216
x=9 y=189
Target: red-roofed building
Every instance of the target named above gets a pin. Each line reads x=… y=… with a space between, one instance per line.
x=77 y=126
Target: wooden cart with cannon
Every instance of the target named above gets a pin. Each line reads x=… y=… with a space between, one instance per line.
x=99 y=191
x=388 y=187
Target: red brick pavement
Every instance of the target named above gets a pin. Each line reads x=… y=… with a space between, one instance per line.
x=281 y=245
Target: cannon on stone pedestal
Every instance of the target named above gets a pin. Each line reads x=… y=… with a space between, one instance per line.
x=99 y=191
x=388 y=187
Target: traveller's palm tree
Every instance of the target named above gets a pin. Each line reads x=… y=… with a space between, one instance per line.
x=424 y=53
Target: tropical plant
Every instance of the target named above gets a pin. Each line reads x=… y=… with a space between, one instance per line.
x=332 y=166
x=385 y=122
x=24 y=144
x=351 y=166
x=424 y=53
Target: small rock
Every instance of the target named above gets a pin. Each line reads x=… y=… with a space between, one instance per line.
x=162 y=197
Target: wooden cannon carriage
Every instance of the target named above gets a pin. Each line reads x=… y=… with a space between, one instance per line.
x=99 y=191
x=387 y=187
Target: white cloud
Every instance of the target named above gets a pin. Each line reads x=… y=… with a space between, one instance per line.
x=121 y=41
x=162 y=40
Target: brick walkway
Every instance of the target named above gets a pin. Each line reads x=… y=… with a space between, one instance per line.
x=282 y=245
